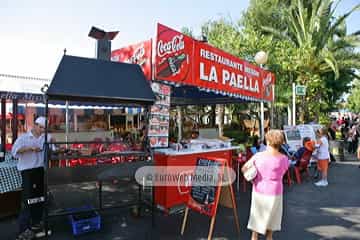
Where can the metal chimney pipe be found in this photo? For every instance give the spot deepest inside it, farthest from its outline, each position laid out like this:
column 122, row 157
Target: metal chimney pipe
column 103, row 42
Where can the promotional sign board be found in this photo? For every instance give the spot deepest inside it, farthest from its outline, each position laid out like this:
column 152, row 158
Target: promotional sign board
column 160, row 116
column 221, row 71
column 139, row 53
column 182, row 60
column 268, row 82
column 218, row 70
column 173, row 56
column 205, row 198
column 293, row 137
column 308, row 130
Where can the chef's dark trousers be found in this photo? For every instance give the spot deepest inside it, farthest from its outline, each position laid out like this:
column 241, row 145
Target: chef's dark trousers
column 32, row 187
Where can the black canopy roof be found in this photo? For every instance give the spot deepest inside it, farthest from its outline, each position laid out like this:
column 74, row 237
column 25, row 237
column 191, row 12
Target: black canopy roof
column 93, row 80
column 190, row 95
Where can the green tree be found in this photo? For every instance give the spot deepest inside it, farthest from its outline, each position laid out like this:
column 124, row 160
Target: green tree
column 245, row 42
column 306, row 44
column 353, row 102
column 322, row 48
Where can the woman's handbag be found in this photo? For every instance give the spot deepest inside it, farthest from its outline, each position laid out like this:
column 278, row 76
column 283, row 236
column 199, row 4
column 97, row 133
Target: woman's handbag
column 249, row 170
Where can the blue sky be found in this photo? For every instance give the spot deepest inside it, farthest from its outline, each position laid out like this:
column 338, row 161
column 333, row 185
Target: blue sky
column 34, row 33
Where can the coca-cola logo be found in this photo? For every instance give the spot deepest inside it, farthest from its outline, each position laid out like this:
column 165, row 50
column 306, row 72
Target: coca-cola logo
column 174, row 45
column 267, row 84
column 267, row 80
column 137, row 56
column 115, row 58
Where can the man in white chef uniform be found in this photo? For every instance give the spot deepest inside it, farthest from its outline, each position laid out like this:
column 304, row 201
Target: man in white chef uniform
column 28, row 149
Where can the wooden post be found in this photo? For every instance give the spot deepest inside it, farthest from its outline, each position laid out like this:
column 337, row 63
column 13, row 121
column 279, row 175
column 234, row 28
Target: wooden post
column 235, row 212
column 227, row 197
column 184, row 220
column 212, row 223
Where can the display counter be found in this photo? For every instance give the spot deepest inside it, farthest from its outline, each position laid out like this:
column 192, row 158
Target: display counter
column 82, row 136
column 169, row 198
column 172, row 152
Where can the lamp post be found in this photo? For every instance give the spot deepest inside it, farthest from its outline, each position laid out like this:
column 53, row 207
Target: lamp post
column 261, row 58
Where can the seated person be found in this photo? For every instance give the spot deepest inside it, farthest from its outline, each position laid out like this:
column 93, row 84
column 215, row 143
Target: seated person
column 305, row 151
column 263, row 146
column 256, row 145
column 194, row 134
column 285, row 149
column 128, row 139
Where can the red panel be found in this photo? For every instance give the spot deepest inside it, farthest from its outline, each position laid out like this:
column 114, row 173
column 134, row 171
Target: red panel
column 171, row 196
column 268, row 83
column 181, row 59
column 218, row 70
column 139, row 53
column 174, row 52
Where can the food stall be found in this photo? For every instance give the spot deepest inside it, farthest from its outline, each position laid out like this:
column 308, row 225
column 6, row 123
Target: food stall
column 190, row 72
column 22, row 101
column 77, row 80
column 14, row 90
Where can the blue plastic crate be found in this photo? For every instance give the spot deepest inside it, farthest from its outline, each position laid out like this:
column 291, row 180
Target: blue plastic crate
column 84, row 222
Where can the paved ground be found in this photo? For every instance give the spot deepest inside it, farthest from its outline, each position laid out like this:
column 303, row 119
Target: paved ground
column 310, row 213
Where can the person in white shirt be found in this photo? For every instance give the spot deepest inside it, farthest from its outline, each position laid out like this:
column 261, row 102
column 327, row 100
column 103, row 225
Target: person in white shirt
column 28, row 149
column 323, row 156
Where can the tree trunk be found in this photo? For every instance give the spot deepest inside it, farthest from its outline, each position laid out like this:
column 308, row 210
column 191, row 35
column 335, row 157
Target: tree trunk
column 235, row 118
column 200, row 113
column 302, row 112
column 221, row 113
column 212, row 116
column 179, row 122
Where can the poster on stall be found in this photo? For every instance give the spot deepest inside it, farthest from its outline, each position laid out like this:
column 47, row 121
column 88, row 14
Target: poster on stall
column 160, row 116
column 308, row 130
column 292, row 137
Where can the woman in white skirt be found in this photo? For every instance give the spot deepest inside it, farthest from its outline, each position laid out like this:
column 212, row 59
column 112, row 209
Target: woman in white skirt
column 267, row 201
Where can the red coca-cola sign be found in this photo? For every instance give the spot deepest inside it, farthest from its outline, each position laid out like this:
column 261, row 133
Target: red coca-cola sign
column 139, row 53
column 173, row 56
column 268, row 82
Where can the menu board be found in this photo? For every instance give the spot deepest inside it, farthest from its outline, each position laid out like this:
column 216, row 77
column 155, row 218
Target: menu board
column 160, row 116
column 204, row 196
